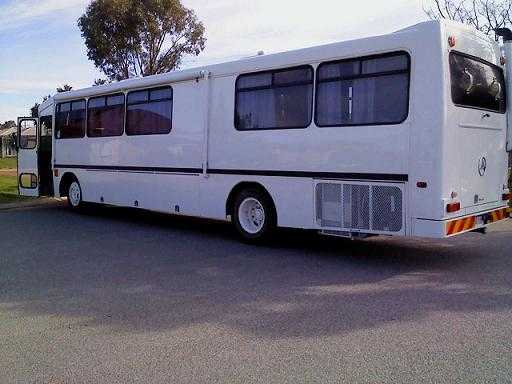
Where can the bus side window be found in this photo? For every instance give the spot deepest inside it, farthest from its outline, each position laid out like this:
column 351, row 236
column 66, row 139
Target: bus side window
column 149, row 111
column 364, row 91
column 70, row 120
column 278, row 99
column 105, row 116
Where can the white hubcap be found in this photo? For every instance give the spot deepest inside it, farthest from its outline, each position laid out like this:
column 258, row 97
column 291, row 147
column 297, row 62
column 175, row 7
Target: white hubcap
column 251, row 215
column 75, row 196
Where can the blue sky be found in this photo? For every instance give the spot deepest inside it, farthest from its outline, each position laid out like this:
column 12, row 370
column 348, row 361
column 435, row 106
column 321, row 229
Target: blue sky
column 41, row 47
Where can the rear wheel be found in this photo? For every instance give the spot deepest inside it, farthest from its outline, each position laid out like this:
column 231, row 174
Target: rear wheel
column 254, row 216
column 75, row 195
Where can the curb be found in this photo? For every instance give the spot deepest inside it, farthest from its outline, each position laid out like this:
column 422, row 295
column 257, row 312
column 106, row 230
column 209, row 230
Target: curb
column 41, row 202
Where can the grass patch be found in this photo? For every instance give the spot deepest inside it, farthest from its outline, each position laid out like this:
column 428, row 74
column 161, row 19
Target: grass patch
column 8, row 163
column 9, row 189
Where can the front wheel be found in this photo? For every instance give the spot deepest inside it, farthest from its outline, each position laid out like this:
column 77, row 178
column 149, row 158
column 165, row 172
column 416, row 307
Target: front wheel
column 75, row 195
column 253, row 215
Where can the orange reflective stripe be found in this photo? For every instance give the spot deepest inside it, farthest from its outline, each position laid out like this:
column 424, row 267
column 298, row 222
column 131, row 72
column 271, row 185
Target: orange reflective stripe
column 461, row 225
column 451, row 227
column 498, row 215
column 470, row 223
column 457, row 226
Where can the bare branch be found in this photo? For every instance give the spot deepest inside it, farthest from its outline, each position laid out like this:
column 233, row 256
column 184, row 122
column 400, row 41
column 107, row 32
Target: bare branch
column 484, row 15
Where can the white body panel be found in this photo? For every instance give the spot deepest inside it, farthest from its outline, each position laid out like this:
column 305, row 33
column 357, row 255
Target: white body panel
column 472, row 134
column 193, row 169
column 507, row 47
column 27, row 158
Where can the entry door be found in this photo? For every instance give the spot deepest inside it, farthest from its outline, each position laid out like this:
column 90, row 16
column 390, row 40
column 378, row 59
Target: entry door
column 28, row 145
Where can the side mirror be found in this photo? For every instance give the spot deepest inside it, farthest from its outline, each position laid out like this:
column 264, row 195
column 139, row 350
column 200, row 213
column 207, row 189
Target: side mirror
column 14, row 141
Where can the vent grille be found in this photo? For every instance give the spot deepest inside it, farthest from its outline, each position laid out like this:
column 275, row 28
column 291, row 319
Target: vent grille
column 356, row 206
column 359, row 207
column 328, row 205
column 386, row 208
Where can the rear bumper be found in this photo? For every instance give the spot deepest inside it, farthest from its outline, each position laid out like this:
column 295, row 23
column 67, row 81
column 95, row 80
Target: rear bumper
column 453, row 227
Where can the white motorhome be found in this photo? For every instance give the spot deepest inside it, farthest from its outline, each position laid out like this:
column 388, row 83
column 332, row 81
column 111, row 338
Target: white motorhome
column 403, row 134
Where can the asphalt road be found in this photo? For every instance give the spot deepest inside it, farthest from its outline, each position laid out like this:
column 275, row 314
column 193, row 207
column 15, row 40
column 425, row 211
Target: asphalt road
column 122, row 296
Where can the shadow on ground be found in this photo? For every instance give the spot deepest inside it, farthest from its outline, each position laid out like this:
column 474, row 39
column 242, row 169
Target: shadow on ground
column 134, row 271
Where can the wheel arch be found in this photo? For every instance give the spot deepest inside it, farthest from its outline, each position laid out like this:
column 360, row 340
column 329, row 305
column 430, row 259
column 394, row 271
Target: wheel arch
column 230, row 202
column 65, row 182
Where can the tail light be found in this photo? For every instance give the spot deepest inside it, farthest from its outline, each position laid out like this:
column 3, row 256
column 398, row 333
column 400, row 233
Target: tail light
column 506, row 196
column 453, row 207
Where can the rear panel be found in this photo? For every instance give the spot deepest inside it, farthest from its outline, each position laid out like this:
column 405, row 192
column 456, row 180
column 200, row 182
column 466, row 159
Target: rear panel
column 474, row 155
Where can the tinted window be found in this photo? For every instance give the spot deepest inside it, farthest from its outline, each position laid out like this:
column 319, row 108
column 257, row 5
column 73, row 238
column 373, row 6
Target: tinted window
column 340, row 69
column 138, row 97
column 105, row 116
column 160, row 94
column 254, row 81
column 149, row 112
column 277, row 99
column 477, row 84
column 70, row 120
column 115, row 100
column 363, row 91
column 385, row 64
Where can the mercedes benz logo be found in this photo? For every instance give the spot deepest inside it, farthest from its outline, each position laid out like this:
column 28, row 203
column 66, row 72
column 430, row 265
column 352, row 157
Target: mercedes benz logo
column 482, row 166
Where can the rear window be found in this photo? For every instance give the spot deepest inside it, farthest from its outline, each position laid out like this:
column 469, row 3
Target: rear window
column 477, row 83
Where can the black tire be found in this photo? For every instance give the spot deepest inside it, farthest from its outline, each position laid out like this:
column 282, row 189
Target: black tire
column 260, row 231
column 74, row 192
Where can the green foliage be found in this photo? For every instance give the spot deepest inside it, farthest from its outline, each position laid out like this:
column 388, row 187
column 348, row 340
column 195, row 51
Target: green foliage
column 34, row 111
column 8, row 124
column 100, row 82
column 64, row 88
column 126, row 38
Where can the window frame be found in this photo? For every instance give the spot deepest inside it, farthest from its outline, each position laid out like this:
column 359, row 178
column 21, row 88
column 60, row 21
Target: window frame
column 36, row 127
column 361, row 75
column 34, row 181
column 259, row 88
column 149, row 101
column 471, row 57
column 84, row 132
column 105, row 96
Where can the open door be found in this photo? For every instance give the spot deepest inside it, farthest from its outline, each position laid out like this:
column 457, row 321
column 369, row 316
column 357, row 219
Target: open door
column 28, row 146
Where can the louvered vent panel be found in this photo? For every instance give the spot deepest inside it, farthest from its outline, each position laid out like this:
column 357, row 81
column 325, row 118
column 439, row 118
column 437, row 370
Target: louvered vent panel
column 386, row 208
column 359, row 207
column 356, row 206
column 328, row 204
